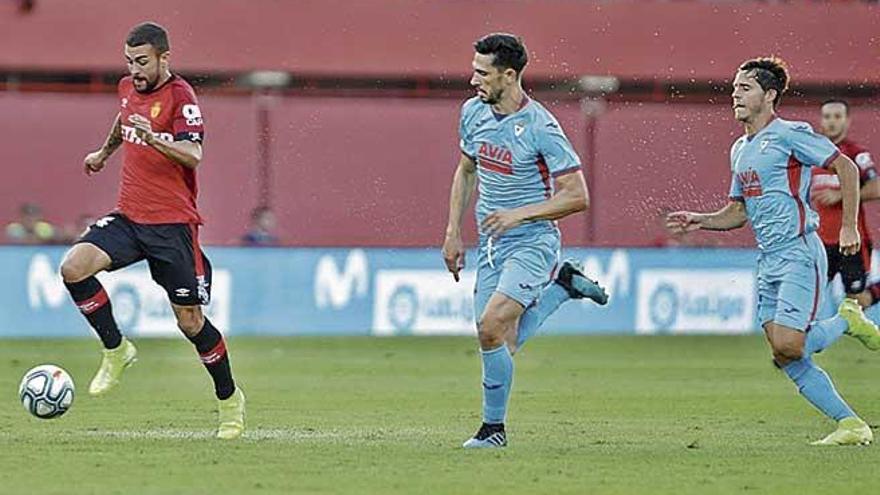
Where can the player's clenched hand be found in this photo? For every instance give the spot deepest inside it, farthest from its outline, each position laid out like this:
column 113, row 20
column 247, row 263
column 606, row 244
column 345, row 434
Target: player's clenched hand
column 850, row 243
column 828, row 197
column 500, row 221
column 142, row 127
column 681, row 222
column 94, row 162
column 453, row 255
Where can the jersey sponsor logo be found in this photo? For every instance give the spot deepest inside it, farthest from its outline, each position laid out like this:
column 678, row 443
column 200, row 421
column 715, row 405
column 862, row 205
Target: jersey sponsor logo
column 192, row 114
column 129, row 134
column 156, row 109
column 750, row 183
column 495, row 158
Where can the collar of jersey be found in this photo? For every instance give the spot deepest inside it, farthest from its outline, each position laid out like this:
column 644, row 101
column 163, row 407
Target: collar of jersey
column 522, row 104
column 772, row 120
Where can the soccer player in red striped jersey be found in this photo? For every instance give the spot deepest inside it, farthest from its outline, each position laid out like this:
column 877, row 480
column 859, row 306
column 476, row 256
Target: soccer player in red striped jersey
column 160, row 129
column 826, row 195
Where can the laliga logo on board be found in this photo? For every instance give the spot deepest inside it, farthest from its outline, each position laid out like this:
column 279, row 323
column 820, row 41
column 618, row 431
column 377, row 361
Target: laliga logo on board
column 683, row 301
column 423, row 302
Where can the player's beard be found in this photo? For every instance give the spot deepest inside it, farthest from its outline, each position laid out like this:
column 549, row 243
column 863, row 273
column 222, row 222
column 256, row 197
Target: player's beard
column 150, row 84
column 491, row 98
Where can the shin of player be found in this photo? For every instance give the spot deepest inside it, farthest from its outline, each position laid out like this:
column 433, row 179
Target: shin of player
column 528, row 176
column 160, row 128
column 770, row 167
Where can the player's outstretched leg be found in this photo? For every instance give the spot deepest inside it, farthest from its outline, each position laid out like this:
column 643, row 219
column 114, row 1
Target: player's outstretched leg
column 823, row 333
column 211, row 346
column 860, row 327
column 570, row 283
column 78, row 271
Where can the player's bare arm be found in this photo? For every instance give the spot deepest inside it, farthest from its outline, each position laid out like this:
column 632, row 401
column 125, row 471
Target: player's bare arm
column 870, row 191
column 732, row 216
column 848, row 173
column 464, row 184
column 94, row 161
column 186, row 153
column 571, row 196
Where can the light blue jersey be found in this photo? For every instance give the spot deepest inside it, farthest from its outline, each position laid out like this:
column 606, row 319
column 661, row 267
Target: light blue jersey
column 518, row 156
column 771, row 174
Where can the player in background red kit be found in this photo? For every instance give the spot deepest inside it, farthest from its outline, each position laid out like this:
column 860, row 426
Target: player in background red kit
column 825, row 194
column 160, row 129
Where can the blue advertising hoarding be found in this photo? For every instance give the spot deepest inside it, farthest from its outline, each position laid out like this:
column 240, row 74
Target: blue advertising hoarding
column 292, row 291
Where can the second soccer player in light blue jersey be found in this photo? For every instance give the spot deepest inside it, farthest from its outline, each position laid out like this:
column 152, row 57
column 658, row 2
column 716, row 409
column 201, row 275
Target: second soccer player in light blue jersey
column 529, row 176
column 771, row 172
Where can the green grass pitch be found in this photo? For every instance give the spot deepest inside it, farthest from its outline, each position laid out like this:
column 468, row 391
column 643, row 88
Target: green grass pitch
column 627, row 415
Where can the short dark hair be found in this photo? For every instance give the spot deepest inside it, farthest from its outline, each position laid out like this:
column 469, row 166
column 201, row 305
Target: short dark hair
column 149, row 33
column 509, row 50
column 839, row 101
column 770, row 72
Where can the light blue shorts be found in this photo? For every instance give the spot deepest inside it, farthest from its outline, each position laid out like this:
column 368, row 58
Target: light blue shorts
column 791, row 283
column 518, row 267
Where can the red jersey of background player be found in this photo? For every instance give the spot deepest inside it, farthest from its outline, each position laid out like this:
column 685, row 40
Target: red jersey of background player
column 830, row 216
column 156, row 189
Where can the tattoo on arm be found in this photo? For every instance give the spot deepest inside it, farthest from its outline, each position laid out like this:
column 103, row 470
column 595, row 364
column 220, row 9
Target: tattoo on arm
column 114, row 139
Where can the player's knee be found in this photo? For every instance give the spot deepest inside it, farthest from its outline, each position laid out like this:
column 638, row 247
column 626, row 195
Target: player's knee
column 491, row 331
column 74, row 269
column 190, row 320
column 786, row 352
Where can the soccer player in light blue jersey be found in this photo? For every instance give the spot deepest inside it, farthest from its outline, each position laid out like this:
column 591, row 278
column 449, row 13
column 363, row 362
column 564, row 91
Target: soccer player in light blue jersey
column 771, row 168
column 529, row 176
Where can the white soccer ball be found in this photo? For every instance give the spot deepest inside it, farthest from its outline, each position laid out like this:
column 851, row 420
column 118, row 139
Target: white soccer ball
column 46, row 391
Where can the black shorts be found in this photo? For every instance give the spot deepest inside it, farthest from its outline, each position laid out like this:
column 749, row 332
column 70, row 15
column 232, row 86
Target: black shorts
column 172, row 251
column 853, row 268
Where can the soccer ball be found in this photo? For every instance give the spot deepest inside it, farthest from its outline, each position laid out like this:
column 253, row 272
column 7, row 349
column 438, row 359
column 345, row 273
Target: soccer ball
column 46, row 391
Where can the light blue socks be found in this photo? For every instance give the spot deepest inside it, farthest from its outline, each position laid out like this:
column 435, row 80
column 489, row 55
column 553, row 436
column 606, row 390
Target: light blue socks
column 532, row 319
column 824, row 333
column 815, row 385
column 497, row 381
